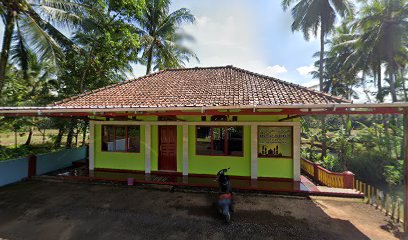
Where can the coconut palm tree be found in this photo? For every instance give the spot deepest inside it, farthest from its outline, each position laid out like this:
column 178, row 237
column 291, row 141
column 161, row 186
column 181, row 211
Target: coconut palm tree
column 161, row 36
column 310, row 16
column 33, row 24
column 384, row 36
column 314, row 16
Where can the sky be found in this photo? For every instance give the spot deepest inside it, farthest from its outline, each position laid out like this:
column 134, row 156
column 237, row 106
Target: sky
column 251, row 34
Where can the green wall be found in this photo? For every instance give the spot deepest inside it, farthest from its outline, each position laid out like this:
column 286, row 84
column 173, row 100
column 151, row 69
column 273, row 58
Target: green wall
column 198, row 164
column 240, row 166
column 119, row 160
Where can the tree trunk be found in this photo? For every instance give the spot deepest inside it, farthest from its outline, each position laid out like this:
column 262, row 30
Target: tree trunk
column 15, row 138
column 323, row 118
column 321, row 58
column 387, row 135
column 58, row 139
column 43, row 136
column 84, row 131
column 380, row 95
column 392, row 85
column 76, row 136
column 30, row 134
column 70, row 135
column 8, row 34
column 149, row 60
column 405, row 200
column 404, row 87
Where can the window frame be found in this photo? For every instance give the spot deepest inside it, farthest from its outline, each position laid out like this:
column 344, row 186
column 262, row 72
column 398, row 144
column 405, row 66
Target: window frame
column 226, row 145
column 114, row 138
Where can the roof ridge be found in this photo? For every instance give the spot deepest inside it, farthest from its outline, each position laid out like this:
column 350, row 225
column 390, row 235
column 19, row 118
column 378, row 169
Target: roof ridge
column 199, row 68
column 292, row 84
column 104, row 88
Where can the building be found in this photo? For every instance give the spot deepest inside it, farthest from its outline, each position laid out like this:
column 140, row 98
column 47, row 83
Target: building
column 193, row 122
column 202, row 120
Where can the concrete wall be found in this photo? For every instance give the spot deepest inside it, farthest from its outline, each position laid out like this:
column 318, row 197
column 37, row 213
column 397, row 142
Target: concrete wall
column 57, row 160
column 15, row 170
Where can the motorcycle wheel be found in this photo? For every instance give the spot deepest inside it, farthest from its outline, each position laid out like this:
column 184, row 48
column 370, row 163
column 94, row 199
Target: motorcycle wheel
column 227, row 217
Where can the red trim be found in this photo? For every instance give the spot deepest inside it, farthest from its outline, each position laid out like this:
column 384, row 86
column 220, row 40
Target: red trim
column 284, row 111
column 263, row 189
column 118, row 170
column 275, row 179
column 167, row 173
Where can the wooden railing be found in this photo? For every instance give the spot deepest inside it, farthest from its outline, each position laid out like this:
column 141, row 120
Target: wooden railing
column 326, row 177
column 391, row 205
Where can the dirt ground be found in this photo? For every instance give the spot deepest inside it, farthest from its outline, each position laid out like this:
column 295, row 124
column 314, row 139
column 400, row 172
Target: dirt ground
column 55, row 210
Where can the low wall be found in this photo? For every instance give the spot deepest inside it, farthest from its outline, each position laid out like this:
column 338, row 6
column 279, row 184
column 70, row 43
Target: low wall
column 57, row 160
column 15, row 170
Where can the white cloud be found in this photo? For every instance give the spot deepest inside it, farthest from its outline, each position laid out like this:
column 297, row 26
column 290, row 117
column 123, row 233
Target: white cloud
column 275, row 70
column 312, row 84
column 305, row 70
column 226, row 38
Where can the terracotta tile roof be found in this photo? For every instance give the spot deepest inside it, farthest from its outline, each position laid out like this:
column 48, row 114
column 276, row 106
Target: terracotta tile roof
column 210, row 86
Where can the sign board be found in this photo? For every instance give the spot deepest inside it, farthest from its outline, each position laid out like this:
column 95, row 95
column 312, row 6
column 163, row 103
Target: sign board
column 274, row 142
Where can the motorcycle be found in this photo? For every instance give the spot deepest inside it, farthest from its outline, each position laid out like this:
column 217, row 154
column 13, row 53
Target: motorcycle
column 225, row 198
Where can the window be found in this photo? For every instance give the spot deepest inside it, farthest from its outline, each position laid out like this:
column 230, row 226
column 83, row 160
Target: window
column 120, row 138
column 225, row 141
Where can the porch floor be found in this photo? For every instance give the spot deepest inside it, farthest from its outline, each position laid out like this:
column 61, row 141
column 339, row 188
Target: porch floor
column 304, row 186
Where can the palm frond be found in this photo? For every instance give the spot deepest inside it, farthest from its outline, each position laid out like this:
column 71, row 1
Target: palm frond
column 40, row 41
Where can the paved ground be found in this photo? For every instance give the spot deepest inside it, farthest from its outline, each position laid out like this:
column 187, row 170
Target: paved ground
column 48, row 210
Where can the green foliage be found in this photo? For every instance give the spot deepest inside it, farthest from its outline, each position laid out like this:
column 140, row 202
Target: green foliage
column 24, row 151
column 369, row 166
column 161, row 36
column 393, row 173
column 108, row 45
column 32, row 26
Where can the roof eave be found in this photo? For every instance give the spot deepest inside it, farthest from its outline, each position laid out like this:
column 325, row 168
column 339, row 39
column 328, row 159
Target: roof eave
column 93, row 110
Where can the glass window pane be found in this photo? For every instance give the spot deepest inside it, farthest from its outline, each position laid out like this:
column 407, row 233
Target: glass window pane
column 235, row 138
column 203, row 143
column 218, row 140
column 134, row 139
column 107, row 138
column 120, row 141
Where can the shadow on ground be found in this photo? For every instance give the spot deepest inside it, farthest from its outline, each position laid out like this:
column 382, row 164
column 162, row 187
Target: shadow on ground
column 45, row 210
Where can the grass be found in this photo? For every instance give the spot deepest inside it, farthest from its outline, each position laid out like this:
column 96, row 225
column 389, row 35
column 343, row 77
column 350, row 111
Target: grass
column 38, row 145
column 7, row 139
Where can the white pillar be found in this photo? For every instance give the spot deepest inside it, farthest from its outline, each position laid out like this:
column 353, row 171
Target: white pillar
column 91, row 145
column 185, row 150
column 147, row 144
column 296, row 152
column 254, row 151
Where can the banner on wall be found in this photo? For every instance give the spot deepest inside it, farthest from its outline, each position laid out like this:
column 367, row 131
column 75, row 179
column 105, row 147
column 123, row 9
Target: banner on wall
column 274, row 141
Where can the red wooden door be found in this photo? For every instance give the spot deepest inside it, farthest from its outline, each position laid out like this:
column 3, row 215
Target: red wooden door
column 167, row 148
